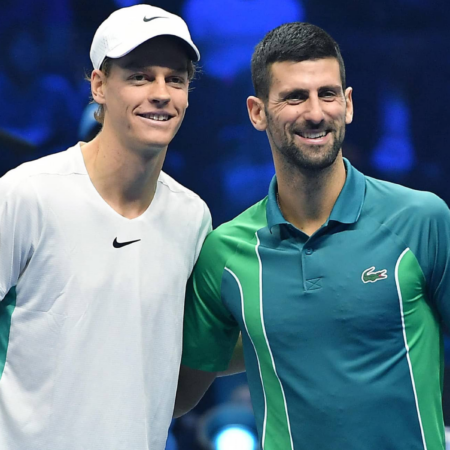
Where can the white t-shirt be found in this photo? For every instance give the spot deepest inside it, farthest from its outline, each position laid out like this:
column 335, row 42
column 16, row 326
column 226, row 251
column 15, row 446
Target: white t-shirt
column 90, row 331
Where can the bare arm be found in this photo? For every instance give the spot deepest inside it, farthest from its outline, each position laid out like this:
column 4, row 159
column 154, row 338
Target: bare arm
column 193, row 383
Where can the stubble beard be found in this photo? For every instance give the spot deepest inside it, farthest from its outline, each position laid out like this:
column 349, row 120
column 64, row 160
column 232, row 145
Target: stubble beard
column 307, row 158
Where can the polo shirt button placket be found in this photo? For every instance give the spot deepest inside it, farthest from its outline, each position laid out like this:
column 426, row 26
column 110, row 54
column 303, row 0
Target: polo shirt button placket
column 309, row 251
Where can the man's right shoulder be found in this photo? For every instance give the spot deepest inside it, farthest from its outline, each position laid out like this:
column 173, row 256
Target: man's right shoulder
column 58, row 163
column 225, row 240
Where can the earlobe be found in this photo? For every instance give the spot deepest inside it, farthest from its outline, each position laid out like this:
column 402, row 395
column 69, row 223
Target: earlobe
column 97, row 86
column 349, row 105
column 257, row 113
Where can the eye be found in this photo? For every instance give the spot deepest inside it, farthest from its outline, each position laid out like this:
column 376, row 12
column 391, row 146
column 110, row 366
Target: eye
column 138, row 77
column 295, row 98
column 328, row 95
column 177, row 80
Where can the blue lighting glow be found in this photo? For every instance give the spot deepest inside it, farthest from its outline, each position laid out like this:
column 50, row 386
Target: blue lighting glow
column 235, row 437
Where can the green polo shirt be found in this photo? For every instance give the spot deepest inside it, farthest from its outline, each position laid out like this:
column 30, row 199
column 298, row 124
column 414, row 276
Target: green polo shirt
column 341, row 329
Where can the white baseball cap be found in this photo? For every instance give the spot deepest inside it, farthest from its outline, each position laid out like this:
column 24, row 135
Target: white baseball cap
column 127, row 28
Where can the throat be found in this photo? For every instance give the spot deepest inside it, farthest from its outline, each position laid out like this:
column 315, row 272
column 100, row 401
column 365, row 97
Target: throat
column 306, row 220
column 307, row 202
column 126, row 184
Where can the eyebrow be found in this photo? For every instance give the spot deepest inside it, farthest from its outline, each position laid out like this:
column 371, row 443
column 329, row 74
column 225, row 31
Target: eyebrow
column 288, row 92
column 331, row 87
column 305, row 92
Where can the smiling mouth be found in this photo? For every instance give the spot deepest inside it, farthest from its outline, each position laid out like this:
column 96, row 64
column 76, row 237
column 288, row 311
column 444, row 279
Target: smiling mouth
column 157, row 117
column 313, row 135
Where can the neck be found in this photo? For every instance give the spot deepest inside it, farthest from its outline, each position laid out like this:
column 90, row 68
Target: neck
column 126, row 179
column 307, row 198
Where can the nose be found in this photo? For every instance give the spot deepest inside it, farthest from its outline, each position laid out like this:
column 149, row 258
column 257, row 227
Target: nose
column 159, row 93
column 314, row 112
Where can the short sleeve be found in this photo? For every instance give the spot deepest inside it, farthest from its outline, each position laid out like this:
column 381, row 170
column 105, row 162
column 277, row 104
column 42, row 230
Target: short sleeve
column 210, row 331
column 18, row 221
column 204, row 230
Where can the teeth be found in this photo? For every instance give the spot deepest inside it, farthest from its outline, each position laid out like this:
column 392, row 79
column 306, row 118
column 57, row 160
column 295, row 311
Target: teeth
column 160, row 117
column 314, row 135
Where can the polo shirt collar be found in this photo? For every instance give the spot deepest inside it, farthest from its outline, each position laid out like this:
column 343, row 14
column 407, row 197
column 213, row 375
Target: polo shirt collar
column 347, row 208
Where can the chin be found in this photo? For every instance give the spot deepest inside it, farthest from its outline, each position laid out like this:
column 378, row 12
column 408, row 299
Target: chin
column 321, row 160
column 151, row 141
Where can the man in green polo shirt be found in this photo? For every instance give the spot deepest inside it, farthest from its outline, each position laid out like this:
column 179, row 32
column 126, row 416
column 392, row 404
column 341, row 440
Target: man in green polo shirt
column 335, row 280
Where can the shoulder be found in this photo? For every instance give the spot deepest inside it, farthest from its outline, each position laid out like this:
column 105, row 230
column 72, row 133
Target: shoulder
column 175, row 189
column 57, row 163
column 21, row 174
column 18, row 180
column 225, row 240
column 388, row 198
column 180, row 201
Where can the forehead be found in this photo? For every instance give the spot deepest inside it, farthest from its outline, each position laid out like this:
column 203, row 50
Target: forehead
column 308, row 75
column 162, row 51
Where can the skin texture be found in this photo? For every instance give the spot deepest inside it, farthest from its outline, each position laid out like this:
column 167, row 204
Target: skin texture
column 307, row 98
column 125, row 159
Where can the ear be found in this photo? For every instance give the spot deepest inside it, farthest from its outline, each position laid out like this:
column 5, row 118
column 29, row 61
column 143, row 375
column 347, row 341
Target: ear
column 257, row 113
column 98, row 81
column 349, row 105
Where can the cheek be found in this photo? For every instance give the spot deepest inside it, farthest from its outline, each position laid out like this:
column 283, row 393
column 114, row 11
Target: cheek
column 117, row 103
column 337, row 117
column 284, row 119
column 181, row 100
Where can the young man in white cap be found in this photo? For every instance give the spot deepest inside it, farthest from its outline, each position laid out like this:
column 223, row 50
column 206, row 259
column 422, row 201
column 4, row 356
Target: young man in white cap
column 96, row 245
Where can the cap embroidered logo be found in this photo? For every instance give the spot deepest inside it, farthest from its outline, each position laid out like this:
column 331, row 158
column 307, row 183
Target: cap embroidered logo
column 153, row 18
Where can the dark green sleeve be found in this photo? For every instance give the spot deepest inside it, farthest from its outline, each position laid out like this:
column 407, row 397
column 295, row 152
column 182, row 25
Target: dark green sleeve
column 210, row 331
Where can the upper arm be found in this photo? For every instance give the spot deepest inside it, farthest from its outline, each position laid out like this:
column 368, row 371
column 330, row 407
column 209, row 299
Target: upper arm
column 18, row 228
column 204, row 229
column 192, row 385
column 210, row 330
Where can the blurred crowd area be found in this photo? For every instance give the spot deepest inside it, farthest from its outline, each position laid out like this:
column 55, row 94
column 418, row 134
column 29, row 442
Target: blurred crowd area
column 396, row 59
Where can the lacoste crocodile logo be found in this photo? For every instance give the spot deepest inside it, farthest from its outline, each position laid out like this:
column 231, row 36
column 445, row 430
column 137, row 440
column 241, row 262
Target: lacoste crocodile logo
column 369, row 276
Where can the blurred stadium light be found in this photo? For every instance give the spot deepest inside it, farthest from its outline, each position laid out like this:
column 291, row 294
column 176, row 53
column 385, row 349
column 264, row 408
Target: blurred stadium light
column 228, row 427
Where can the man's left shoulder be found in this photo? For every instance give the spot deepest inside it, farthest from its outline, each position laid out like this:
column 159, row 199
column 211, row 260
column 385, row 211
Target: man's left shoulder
column 398, row 198
column 181, row 196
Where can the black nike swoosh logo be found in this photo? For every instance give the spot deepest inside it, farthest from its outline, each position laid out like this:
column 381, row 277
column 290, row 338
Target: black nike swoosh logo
column 122, row 244
column 153, row 18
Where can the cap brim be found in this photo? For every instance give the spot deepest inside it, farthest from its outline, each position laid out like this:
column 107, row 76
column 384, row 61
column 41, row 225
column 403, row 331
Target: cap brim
column 124, row 49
